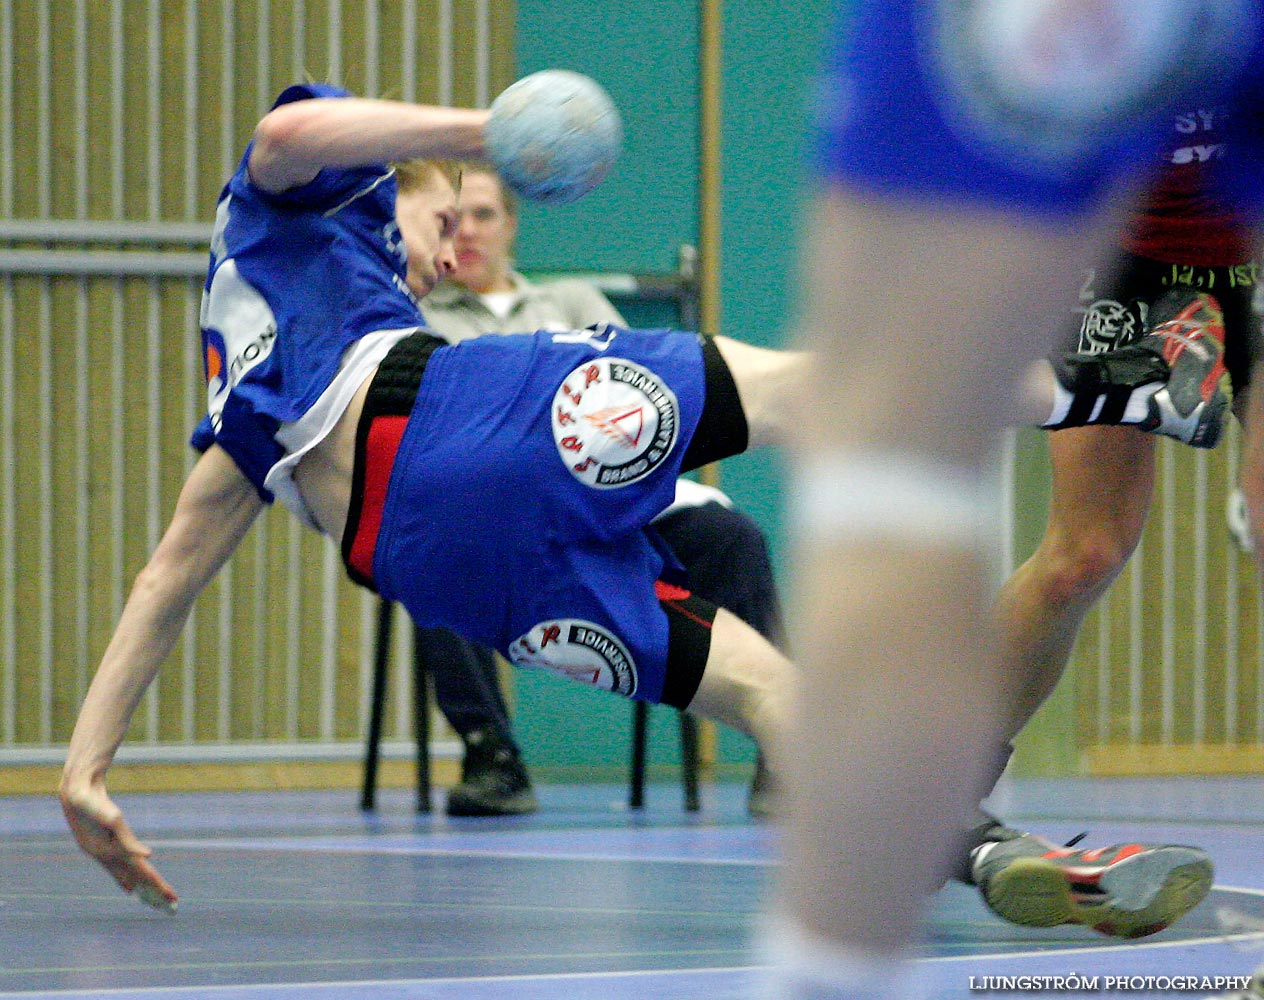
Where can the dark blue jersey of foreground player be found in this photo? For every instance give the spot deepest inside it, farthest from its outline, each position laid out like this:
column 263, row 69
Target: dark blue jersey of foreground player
column 1039, row 107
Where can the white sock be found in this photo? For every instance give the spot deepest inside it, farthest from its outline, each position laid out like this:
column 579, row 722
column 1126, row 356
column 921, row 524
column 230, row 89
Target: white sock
column 977, row 856
column 805, row 967
column 1136, row 410
column 1139, row 403
column 1062, row 400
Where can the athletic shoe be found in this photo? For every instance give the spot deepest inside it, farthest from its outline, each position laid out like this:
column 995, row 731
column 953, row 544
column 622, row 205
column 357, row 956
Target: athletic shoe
column 494, row 781
column 1187, row 328
column 1127, row 890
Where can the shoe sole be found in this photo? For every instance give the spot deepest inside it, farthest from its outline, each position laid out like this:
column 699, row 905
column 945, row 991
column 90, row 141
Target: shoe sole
column 1146, row 892
column 513, row 806
column 1201, row 429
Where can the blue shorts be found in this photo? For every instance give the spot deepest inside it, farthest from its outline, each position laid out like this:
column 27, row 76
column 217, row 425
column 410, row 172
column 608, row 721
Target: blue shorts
column 922, row 98
column 511, row 504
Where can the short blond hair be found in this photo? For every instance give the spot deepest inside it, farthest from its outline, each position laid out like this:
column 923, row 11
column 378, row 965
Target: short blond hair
column 415, row 175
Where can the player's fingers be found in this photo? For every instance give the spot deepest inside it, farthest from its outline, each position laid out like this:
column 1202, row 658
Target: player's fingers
column 129, row 863
column 128, row 841
column 106, row 840
column 94, row 838
column 154, row 890
column 138, row 873
column 150, row 896
column 105, row 835
column 93, row 819
column 134, row 873
column 122, row 870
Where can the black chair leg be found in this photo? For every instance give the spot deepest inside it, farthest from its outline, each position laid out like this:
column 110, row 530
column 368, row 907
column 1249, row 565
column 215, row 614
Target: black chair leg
column 689, row 760
column 421, row 726
column 372, row 751
column 640, row 727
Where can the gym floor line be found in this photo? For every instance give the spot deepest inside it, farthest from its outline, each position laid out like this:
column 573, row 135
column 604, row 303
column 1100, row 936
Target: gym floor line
column 289, row 894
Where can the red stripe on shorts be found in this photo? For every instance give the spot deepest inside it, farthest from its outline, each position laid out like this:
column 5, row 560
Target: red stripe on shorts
column 673, row 597
column 380, row 448
column 669, row 591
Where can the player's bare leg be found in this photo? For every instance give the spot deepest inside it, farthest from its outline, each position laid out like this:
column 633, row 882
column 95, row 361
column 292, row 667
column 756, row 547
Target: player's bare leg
column 747, row 685
column 766, row 382
column 902, row 693
column 1103, row 479
column 1252, row 481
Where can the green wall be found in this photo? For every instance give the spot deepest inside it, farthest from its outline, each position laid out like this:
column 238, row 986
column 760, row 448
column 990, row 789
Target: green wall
column 770, row 53
column 646, row 55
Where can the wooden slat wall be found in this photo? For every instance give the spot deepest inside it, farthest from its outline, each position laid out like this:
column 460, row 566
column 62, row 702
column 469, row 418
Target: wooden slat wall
column 1170, row 667
column 137, row 111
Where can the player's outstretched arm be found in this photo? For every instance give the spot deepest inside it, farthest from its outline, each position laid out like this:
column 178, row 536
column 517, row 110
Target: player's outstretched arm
column 295, row 141
column 216, row 507
column 552, row 136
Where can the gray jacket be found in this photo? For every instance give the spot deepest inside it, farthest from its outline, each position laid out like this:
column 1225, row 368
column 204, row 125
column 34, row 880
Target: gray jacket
column 456, row 313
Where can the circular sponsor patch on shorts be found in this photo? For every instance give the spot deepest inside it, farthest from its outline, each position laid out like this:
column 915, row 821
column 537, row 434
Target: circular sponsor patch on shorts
column 614, row 422
column 579, row 650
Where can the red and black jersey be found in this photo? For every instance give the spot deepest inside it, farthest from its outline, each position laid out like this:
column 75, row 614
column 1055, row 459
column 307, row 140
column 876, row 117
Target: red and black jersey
column 1185, row 217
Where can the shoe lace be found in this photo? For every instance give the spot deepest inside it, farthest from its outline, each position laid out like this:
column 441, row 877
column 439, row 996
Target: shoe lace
column 1192, row 340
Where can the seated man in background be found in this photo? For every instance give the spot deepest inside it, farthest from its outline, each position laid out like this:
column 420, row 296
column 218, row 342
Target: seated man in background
column 722, row 549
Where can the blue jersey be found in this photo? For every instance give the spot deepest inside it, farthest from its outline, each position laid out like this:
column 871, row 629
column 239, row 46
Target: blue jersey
column 1034, row 106
column 295, row 278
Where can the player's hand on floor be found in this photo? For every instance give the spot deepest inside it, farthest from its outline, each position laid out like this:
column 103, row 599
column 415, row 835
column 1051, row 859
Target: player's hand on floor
column 102, row 832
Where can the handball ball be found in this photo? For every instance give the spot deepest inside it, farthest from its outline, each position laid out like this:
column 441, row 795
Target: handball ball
column 554, row 135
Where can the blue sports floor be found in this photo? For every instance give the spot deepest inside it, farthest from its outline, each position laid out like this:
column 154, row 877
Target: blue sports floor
column 298, row 895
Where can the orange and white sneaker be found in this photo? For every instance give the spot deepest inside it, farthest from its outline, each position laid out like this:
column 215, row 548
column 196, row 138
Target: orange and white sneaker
column 1186, row 327
column 1126, row 890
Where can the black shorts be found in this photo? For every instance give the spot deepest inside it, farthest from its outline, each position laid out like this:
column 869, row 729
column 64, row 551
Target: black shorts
column 1114, row 303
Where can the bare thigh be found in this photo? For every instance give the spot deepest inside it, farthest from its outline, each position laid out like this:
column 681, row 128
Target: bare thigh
column 747, row 684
